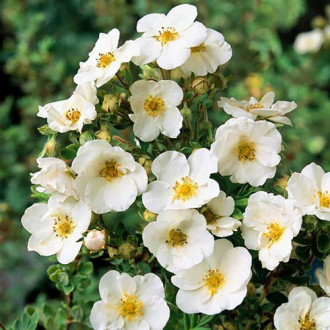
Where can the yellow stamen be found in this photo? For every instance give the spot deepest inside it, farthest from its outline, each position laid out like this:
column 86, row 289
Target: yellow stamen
column 306, row 323
column 63, row 226
column 176, row 237
column 254, row 106
column 246, row 151
column 105, row 60
column 324, row 199
column 185, row 189
column 130, row 307
column 213, row 280
column 73, row 115
column 111, row 171
column 198, row 49
column 166, row 35
column 154, row 105
column 274, row 233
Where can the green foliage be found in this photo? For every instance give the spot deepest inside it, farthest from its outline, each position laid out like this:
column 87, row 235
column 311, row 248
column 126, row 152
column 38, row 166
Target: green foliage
column 43, row 44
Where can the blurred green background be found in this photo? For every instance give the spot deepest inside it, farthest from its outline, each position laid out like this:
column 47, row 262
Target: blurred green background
column 42, row 43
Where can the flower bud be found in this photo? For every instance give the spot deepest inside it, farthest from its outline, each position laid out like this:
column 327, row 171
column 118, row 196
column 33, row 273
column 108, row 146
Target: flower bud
column 146, row 163
column 125, row 250
column 149, row 216
column 319, row 22
column 103, row 134
column 200, row 85
column 51, row 148
column 186, row 112
column 110, row 103
column 95, row 240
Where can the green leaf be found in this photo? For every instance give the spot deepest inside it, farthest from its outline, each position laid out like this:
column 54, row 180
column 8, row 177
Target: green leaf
column 323, row 242
column 45, row 130
column 85, row 268
column 205, row 320
column 77, row 313
column 241, row 202
column 303, row 252
column 69, row 152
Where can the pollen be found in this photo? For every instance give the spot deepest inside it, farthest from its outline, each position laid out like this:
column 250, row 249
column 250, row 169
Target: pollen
column 111, row 171
column 63, row 226
column 105, row 60
column 306, row 323
column 246, row 152
column 213, row 280
column 130, row 307
column 198, row 49
column 72, row 114
column 154, row 105
column 254, row 106
column 167, row 35
column 185, row 189
column 176, row 237
column 274, row 233
column 324, row 199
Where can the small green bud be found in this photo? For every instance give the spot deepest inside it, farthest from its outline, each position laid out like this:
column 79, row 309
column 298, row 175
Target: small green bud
column 200, row 85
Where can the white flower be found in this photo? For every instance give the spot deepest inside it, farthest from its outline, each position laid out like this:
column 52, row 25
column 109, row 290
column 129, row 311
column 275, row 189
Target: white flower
column 308, row 42
column 218, row 283
column 108, row 178
column 130, row 303
column 95, row 240
column 181, row 183
column 253, row 108
column 269, row 224
column 310, row 190
column 105, row 59
column 179, row 239
column 323, row 275
column 217, row 214
column 247, row 150
column 303, row 311
column 56, row 227
column 206, row 57
column 155, row 109
column 73, row 113
column 168, row 39
column 54, row 177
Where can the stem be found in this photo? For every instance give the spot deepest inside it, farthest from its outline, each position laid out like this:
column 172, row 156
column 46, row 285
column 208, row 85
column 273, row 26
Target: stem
column 70, row 297
column 122, row 82
column 118, row 138
column 2, row 326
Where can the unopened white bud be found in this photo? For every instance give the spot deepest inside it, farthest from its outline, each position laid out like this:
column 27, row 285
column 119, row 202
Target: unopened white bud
column 95, row 240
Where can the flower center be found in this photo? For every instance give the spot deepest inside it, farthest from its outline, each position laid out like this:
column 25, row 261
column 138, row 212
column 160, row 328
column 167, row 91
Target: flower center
column 130, row 307
column 72, row 114
column 63, row 226
column 254, row 106
column 105, row 60
column 111, row 171
column 324, row 199
column 166, row 35
column 213, row 280
column 246, row 151
column 185, row 189
column 306, row 323
column 198, row 49
column 154, row 105
column 176, row 237
column 274, row 233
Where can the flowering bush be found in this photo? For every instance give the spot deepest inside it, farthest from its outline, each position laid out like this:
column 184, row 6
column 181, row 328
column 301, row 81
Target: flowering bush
column 192, row 182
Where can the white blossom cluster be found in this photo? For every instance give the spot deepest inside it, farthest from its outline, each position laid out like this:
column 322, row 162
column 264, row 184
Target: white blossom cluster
column 193, row 214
